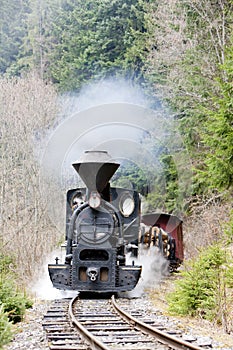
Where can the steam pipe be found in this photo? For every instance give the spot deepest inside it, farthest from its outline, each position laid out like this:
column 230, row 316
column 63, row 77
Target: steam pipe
column 76, row 212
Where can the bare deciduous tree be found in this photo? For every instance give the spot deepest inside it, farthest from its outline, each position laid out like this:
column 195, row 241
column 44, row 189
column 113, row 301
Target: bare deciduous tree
column 28, row 108
column 188, row 42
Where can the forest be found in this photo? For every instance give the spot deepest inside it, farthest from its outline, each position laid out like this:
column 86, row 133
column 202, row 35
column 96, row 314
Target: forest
column 179, row 53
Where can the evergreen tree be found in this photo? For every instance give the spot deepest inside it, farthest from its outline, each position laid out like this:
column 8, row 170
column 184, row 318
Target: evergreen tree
column 189, row 40
column 166, row 191
column 218, row 132
column 12, row 26
column 96, row 39
column 33, row 52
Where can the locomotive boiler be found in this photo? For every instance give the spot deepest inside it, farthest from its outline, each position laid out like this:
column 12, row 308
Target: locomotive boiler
column 101, row 221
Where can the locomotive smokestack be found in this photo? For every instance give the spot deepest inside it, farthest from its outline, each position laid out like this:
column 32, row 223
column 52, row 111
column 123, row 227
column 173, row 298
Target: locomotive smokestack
column 96, row 169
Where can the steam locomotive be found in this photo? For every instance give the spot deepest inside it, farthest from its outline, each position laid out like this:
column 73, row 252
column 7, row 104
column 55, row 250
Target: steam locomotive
column 100, row 222
column 103, row 223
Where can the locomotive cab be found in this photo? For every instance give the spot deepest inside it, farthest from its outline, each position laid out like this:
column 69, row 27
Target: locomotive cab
column 99, row 220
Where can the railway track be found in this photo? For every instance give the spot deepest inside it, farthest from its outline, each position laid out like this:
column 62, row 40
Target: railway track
column 101, row 324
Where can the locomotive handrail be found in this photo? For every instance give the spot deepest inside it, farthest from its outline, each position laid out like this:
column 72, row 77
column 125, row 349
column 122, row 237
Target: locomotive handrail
column 71, row 226
column 130, row 224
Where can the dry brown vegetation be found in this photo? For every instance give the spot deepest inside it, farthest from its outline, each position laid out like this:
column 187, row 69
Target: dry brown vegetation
column 187, row 42
column 205, row 225
column 28, row 108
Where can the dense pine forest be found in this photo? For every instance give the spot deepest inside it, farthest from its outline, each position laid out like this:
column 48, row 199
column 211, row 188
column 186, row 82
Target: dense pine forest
column 179, row 53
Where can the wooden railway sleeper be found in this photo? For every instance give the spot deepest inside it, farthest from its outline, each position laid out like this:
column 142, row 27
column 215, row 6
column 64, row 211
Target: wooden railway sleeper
column 161, row 336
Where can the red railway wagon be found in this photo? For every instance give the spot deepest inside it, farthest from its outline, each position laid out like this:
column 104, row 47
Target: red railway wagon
column 172, row 226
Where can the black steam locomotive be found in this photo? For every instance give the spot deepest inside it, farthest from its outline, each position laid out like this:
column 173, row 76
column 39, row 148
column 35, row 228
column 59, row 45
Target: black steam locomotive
column 100, row 221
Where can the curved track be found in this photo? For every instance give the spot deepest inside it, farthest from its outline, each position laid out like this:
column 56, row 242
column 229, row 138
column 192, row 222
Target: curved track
column 102, row 325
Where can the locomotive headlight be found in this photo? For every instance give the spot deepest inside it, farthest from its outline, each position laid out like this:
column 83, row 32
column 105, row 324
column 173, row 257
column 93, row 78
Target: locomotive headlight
column 94, row 200
column 126, row 204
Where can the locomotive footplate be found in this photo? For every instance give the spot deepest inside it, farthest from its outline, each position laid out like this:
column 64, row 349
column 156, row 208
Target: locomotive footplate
column 60, row 275
column 128, row 277
column 103, row 275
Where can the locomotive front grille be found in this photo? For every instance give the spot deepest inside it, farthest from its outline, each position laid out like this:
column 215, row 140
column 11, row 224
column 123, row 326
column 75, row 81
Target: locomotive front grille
column 93, row 269
column 94, row 255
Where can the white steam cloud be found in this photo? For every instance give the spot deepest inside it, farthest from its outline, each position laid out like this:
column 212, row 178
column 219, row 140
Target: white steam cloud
column 154, row 269
column 105, row 91
column 113, row 116
column 42, row 288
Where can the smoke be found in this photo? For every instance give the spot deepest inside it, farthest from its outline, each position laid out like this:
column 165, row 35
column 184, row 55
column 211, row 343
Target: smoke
column 111, row 115
column 103, row 92
column 154, row 269
column 115, row 116
column 42, row 287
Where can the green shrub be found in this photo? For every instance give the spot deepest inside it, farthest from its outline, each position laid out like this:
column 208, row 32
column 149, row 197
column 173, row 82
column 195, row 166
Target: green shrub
column 5, row 328
column 13, row 303
column 197, row 292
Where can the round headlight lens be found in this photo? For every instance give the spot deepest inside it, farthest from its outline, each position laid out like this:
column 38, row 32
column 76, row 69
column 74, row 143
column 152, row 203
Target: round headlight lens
column 126, row 204
column 94, row 200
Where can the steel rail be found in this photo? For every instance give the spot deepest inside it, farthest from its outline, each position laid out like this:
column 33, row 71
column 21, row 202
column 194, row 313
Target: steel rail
column 165, row 338
column 94, row 343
